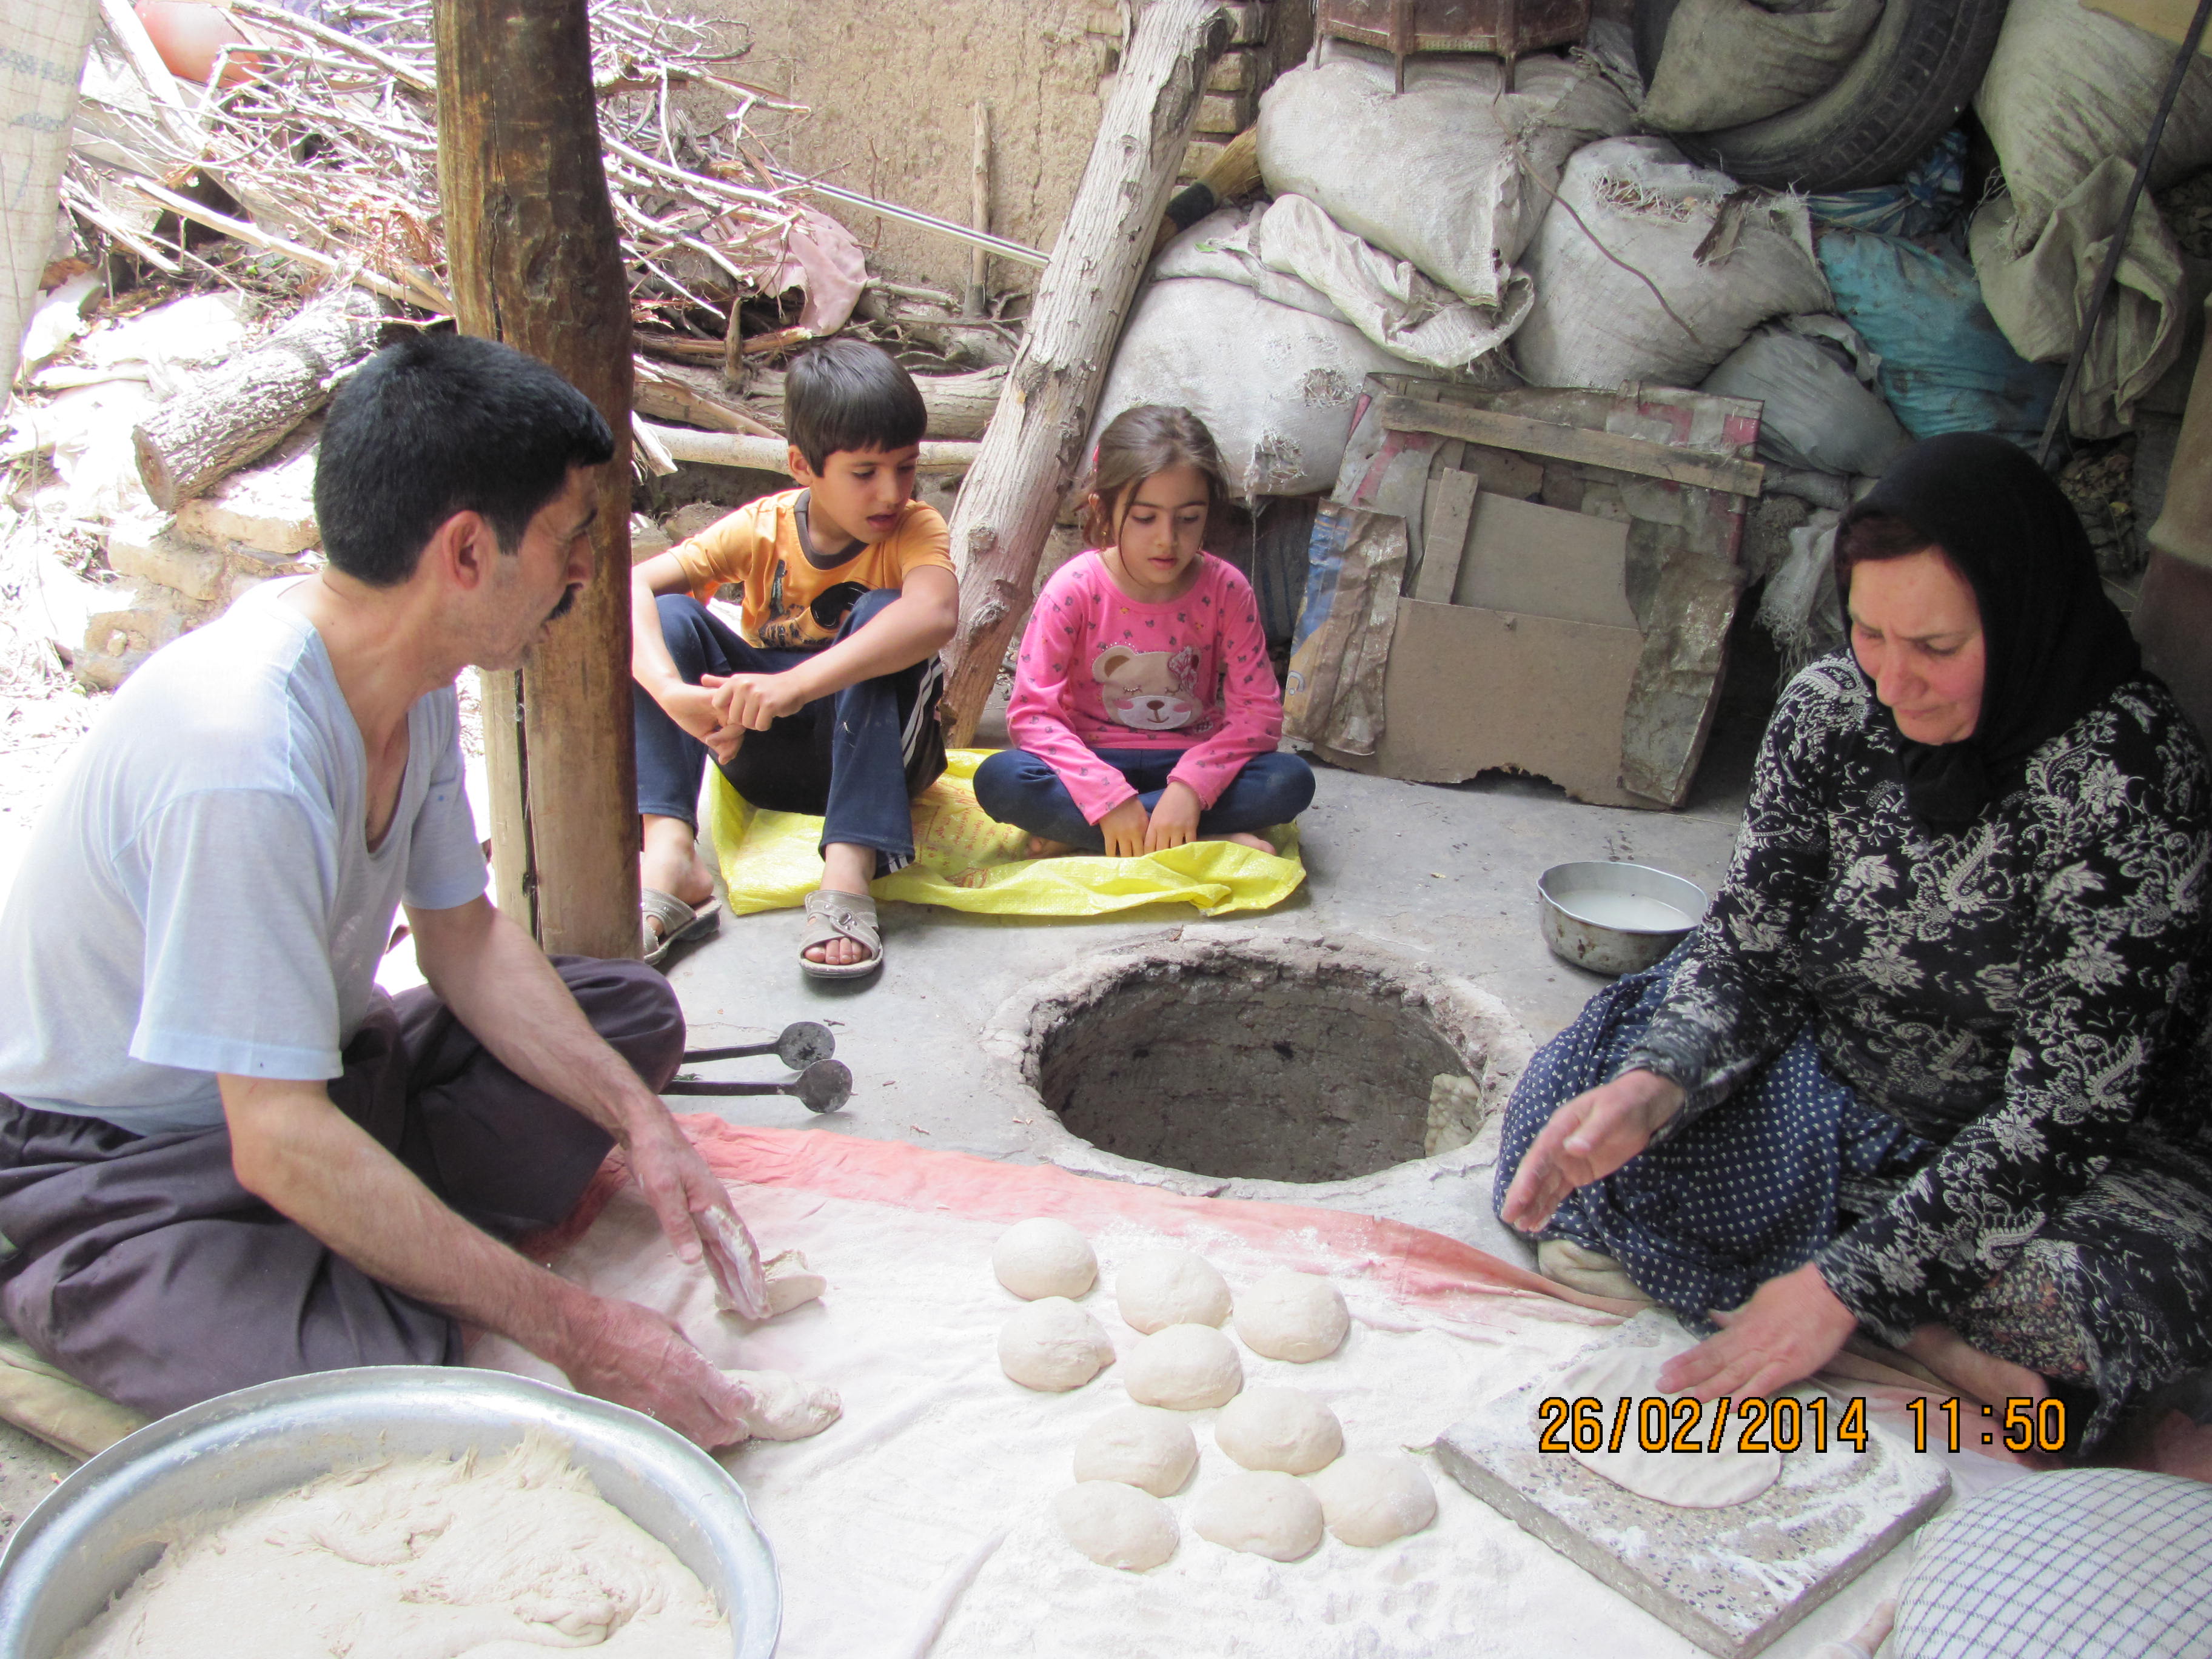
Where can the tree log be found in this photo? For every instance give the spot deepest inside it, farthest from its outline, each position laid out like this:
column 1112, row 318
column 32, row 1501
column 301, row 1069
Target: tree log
column 959, row 406
column 535, row 261
column 1030, row 455
column 244, row 407
column 770, row 454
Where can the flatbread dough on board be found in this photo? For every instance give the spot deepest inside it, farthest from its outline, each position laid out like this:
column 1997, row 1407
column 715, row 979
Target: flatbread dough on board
column 1689, row 1480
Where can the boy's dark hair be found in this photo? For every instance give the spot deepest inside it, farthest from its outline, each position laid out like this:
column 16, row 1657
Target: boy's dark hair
column 439, row 424
column 1137, row 443
column 847, row 394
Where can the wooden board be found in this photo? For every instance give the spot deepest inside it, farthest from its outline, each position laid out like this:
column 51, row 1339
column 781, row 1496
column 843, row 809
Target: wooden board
column 1471, row 690
column 1586, row 444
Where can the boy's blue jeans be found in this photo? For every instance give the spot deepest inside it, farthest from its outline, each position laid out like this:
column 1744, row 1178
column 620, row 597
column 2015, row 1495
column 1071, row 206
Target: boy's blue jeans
column 1017, row 787
column 857, row 758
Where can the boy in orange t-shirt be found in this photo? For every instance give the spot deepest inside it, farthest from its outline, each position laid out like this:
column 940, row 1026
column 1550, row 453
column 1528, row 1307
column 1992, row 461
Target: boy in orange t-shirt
column 824, row 699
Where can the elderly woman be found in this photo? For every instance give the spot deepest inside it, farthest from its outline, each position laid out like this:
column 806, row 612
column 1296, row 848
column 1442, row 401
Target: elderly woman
column 1920, row 1070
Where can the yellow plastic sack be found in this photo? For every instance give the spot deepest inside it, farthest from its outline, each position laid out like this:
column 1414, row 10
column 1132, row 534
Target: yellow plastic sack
column 966, row 859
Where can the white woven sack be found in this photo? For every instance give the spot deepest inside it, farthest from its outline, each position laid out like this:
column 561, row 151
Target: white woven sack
column 1727, row 62
column 2068, row 88
column 1277, row 386
column 1434, row 175
column 1596, row 324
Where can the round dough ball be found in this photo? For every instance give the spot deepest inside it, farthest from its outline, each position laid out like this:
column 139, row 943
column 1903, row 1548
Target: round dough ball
column 1265, row 1514
column 1044, row 1257
column 1186, row 1368
column 1371, row 1498
column 1282, row 1429
column 1293, row 1315
column 1161, row 1288
column 1138, row 1446
column 1116, row 1526
column 1053, row 1345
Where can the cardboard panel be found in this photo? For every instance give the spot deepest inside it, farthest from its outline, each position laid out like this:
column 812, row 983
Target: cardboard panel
column 1544, row 562
column 1470, row 690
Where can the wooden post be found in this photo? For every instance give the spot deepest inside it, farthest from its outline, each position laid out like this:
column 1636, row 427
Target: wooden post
column 979, row 205
column 1034, row 447
column 530, row 236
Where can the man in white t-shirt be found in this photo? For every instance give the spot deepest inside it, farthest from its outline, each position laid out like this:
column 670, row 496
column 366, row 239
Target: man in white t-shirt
column 225, row 1155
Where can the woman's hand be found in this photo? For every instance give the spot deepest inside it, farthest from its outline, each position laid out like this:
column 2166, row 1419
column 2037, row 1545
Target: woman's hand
column 1175, row 820
column 1124, row 828
column 1791, row 1327
column 1587, row 1139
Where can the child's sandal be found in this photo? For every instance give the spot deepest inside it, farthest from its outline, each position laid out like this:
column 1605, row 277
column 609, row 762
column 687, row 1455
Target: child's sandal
column 841, row 915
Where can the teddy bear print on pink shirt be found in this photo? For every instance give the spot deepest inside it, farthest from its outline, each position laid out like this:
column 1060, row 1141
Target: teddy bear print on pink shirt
column 1149, row 690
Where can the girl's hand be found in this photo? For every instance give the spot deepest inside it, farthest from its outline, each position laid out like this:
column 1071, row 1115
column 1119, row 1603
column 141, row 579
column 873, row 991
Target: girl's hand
column 1124, row 830
column 1587, row 1139
column 1791, row 1327
column 1175, row 820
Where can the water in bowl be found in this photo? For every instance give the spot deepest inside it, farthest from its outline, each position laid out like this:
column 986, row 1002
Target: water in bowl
column 1632, row 911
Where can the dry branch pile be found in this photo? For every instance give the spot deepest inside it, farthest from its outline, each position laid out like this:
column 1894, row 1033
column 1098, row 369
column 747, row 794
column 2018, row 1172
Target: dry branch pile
column 326, row 143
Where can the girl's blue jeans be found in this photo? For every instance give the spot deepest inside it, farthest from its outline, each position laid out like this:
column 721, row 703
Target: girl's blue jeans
column 1017, row 787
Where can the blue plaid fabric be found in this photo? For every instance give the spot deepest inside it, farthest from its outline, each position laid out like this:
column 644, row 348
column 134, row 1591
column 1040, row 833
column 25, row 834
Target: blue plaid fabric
column 2089, row 1563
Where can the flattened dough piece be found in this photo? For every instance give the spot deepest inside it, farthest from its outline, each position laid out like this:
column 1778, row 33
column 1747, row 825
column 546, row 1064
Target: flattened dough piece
column 1371, row 1498
column 1276, row 1428
column 791, row 1283
column 1140, row 1446
column 1293, row 1315
column 1689, row 1480
column 1116, row 1526
column 1044, row 1257
column 1186, row 1368
column 1263, row 1513
column 790, row 1408
column 1053, row 1345
column 1170, row 1287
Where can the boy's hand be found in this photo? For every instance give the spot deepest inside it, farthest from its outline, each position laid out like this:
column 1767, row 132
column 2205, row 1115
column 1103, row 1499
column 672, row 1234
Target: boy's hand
column 1124, row 830
column 1175, row 820
column 692, row 707
column 752, row 702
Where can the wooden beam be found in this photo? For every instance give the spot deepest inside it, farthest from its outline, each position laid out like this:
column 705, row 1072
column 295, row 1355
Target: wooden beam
column 772, row 454
column 535, row 261
column 1034, row 447
column 1573, row 443
column 1449, row 509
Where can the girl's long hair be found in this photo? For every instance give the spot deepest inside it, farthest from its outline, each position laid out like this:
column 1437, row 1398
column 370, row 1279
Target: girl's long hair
column 1136, row 444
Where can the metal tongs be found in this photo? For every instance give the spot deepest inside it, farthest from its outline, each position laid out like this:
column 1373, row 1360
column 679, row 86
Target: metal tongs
column 823, row 1084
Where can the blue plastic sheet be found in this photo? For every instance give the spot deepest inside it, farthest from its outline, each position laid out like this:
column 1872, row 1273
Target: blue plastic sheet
column 1945, row 366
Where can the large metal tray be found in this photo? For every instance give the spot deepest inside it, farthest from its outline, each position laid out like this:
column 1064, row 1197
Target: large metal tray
column 99, row 1530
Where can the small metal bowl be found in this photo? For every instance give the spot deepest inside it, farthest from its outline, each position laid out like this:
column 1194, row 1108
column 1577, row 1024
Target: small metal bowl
column 1615, row 918
column 103, row 1525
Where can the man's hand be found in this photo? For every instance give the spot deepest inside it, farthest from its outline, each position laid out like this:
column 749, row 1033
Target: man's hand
column 1791, row 1327
column 1124, row 828
column 621, row 1351
column 695, row 1212
column 1173, row 821
column 1587, row 1139
column 752, row 702
column 692, row 707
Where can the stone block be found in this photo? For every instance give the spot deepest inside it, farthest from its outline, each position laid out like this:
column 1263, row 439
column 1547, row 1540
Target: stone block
column 1225, row 113
column 1248, row 20
column 270, row 508
column 1235, row 70
column 156, row 552
column 118, row 640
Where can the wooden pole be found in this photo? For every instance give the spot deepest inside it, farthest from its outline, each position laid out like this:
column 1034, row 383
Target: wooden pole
column 531, row 240
column 1034, row 447
column 979, row 204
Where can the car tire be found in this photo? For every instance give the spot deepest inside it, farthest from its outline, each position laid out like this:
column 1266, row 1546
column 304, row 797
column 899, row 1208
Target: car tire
column 1918, row 70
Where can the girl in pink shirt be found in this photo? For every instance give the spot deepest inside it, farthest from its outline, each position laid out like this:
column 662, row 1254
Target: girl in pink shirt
column 1144, row 710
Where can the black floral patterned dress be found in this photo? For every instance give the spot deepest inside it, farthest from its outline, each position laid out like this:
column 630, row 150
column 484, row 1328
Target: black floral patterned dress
column 1955, row 1069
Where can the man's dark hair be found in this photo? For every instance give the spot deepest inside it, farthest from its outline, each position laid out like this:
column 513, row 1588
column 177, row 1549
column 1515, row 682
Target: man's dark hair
column 847, row 394
column 439, row 424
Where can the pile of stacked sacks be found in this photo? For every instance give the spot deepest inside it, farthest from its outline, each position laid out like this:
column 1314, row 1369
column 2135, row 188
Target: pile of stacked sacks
column 1587, row 230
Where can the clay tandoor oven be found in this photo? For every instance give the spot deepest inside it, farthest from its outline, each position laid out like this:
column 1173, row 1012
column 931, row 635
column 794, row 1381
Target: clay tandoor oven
column 1268, row 1059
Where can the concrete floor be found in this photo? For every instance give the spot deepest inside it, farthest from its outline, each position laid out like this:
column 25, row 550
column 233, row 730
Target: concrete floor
column 1443, row 875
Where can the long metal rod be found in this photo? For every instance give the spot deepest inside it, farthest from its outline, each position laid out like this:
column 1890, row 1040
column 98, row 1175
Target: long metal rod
column 984, row 239
column 2117, row 249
